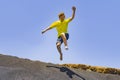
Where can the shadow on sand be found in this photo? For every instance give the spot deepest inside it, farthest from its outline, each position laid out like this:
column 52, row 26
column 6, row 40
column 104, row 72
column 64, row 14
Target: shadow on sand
column 69, row 72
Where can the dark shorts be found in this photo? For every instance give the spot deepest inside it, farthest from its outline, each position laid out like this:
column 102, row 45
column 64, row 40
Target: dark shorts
column 60, row 38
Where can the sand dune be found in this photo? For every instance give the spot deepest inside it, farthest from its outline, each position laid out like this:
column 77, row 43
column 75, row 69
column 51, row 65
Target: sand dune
column 14, row 68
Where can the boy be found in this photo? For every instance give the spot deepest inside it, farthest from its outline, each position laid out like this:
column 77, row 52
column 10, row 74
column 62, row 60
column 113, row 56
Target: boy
column 62, row 28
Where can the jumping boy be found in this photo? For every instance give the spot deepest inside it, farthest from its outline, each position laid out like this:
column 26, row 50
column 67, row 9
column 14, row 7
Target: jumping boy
column 62, row 28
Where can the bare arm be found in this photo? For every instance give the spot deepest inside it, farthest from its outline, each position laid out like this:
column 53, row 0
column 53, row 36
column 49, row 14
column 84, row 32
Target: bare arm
column 73, row 13
column 53, row 25
column 46, row 30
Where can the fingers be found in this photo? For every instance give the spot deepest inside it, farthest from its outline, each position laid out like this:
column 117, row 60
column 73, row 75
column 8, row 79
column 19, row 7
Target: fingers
column 74, row 8
column 43, row 32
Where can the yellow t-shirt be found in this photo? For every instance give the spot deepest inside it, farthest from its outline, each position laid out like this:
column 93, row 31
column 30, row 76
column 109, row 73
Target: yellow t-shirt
column 61, row 27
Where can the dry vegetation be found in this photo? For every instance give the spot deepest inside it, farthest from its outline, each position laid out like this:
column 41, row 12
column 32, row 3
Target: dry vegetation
column 10, row 61
column 105, row 70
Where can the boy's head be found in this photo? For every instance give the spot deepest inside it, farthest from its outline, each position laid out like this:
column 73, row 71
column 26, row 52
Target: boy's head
column 61, row 16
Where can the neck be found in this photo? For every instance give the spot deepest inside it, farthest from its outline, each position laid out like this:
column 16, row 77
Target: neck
column 62, row 20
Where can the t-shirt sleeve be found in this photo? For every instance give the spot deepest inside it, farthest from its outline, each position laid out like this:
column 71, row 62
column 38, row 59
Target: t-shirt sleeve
column 68, row 20
column 53, row 25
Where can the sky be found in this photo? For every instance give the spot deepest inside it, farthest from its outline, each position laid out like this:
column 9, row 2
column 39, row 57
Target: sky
column 94, row 32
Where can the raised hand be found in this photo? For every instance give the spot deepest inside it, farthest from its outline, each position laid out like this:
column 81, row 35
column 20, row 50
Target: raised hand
column 73, row 8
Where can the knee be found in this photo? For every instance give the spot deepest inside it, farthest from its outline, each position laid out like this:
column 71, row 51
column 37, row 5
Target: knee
column 58, row 44
column 62, row 34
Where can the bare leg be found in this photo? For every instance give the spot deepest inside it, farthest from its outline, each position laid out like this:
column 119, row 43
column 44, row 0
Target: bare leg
column 58, row 44
column 64, row 40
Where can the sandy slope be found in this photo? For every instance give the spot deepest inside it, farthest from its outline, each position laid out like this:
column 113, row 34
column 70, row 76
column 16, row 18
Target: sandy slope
column 13, row 68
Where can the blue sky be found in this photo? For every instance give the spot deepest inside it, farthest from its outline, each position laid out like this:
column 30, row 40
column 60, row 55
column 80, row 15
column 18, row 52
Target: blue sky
column 94, row 33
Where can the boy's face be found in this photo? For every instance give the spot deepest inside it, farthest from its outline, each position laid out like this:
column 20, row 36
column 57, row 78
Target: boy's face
column 62, row 17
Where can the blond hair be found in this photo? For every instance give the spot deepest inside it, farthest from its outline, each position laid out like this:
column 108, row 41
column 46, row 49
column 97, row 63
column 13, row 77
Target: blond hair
column 60, row 14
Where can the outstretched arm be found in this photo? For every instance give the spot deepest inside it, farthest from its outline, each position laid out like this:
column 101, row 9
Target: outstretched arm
column 46, row 30
column 73, row 13
column 53, row 25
